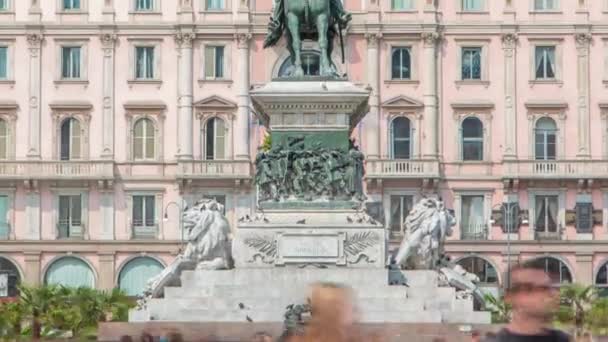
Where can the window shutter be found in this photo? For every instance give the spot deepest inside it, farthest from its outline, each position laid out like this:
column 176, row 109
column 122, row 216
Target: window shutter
column 4, row 227
column 584, row 217
column 220, row 136
column 3, row 62
column 209, row 62
column 75, row 139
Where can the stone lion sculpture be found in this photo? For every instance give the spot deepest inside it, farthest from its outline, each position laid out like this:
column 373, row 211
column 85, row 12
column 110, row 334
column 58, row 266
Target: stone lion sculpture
column 208, row 245
column 426, row 228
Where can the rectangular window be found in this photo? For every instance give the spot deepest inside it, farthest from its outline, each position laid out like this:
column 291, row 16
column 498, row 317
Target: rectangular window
column 584, row 217
column 471, row 63
column 4, row 224
column 214, row 62
column 546, row 210
column 144, row 216
column 544, row 62
column 70, row 62
column 401, row 63
column 402, row 5
column 3, row 62
column 400, row 208
column 545, row 144
column 545, row 5
column 71, row 4
column 472, row 223
column 4, row 5
column 144, row 61
column 215, row 5
column 144, row 5
column 70, row 217
column 472, row 5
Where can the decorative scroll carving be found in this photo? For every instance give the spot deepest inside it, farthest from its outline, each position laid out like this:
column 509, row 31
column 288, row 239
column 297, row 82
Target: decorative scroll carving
column 184, row 39
column 265, row 246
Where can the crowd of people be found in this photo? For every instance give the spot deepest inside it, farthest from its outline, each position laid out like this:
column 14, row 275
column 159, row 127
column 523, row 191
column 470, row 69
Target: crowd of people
column 334, row 316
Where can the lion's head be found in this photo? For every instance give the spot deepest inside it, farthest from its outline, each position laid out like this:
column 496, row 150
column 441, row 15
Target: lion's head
column 425, row 212
column 201, row 215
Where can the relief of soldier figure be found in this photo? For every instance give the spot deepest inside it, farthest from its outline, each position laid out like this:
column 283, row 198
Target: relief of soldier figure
column 284, row 173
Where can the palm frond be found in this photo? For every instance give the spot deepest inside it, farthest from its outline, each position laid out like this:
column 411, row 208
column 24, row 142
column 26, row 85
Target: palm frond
column 359, row 242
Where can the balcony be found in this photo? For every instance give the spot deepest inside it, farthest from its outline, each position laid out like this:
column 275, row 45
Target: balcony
column 547, row 236
column 474, row 232
column 214, row 169
column 141, row 231
column 556, row 169
column 57, row 170
column 402, row 168
column 70, row 231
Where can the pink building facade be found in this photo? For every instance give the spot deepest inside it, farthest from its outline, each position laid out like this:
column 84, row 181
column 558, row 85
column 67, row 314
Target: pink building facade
column 116, row 114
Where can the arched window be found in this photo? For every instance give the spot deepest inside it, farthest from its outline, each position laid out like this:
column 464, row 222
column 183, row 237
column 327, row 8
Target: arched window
column 135, row 274
column 401, row 143
column 601, row 280
column 71, row 272
column 555, row 268
column 472, row 139
column 9, row 278
column 215, row 139
column 401, row 64
column 480, row 267
column 4, row 139
column 143, row 139
column 70, row 139
column 545, row 139
column 310, row 64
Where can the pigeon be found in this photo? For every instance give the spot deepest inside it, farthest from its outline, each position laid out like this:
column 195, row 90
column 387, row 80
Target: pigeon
column 302, row 221
column 241, row 306
column 360, row 220
column 248, row 319
column 242, row 219
column 266, row 220
column 348, row 219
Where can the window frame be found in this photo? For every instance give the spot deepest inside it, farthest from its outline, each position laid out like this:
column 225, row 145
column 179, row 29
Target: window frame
column 535, row 113
column 84, row 210
column 153, row 7
column 482, row 9
column 472, row 139
column 533, row 8
column 80, row 112
column 144, row 138
column 7, row 8
column 484, row 45
column 227, row 61
column 154, row 112
column 10, row 60
column 557, row 43
column 391, row 146
column 413, row 46
column 402, row 197
column 226, row 8
column 71, row 156
column 84, row 52
column 392, row 51
column 206, row 134
column 158, row 211
column 487, row 208
column 482, row 111
column 82, row 11
column 10, row 211
column 10, row 117
column 386, row 198
column 561, row 209
column 145, row 43
column 412, row 8
column 546, row 133
column 214, row 49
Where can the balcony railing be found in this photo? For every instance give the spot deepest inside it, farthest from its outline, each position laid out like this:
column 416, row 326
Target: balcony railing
column 70, row 231
column 545, row 235
column 474, row 232
column 404, row 168
column 56, row 169
column 144, row 232
column 201, row 169
column 556, row 169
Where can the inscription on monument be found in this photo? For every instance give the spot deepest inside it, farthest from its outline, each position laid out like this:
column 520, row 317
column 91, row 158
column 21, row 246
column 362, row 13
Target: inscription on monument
column 302, row 246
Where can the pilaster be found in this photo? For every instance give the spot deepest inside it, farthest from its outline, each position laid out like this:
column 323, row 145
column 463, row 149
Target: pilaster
column 241, row 136
column 430, row 133
column 108, row 41
column 106, row 271
column 185, row 94
column 34, row 41
column 583, row 41
column 107, row 214
column 371, row 120
column 32, row 268
column 32, row 210
column 108, row 13
column 584, row 268
column 509, row 46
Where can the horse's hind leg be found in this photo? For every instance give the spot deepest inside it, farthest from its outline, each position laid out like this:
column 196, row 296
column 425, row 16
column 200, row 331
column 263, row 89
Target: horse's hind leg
column 293, row 22
column 322, row 27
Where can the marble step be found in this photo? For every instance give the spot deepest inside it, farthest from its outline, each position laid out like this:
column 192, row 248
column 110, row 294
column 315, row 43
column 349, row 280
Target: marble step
column 479, row 317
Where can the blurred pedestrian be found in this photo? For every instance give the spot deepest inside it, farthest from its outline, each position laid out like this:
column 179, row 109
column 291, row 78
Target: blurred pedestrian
column 175, row 337
column 333, row 315
column 533, row 300
column 261, row 336
column 126, row 338
column 145, row 337
column 475, row 336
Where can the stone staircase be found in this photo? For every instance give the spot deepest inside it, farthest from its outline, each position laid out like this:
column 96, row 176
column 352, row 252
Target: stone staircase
column 261, row 295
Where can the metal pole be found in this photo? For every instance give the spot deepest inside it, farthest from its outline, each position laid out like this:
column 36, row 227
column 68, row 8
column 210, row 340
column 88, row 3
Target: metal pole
column 509, row 207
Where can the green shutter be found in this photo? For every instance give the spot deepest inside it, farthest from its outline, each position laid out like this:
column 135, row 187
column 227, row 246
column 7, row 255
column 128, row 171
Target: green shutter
column 4, row 226
column 136, row 273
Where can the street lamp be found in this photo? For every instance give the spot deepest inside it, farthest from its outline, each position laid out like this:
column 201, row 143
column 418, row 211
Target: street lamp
column 507, row 208
column 180, row 208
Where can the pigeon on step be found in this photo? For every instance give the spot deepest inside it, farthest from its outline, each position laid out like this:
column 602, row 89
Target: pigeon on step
column 302, row 221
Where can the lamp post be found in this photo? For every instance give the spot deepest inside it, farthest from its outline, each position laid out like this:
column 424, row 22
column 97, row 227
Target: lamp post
column 180, row 208
column 507, row 208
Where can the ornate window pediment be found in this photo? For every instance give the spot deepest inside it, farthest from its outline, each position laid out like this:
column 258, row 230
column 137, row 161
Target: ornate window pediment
column 214, row 103
column 216, row 116
column 141, row 136
column 402, row 102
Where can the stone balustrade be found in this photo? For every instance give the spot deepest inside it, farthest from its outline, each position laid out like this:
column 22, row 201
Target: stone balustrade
column 89, row 169
column 411, row 168
column 224, row 169
column 577, row 169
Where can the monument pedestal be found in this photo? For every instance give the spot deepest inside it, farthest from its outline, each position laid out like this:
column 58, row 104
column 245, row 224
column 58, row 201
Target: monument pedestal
column 262, row 294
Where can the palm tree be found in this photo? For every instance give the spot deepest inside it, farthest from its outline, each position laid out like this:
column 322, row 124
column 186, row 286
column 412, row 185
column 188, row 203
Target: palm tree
column 37, row 303
column 11, row 317
column 116, row 305
column 576, row 301
column 597, row 317
column 501, row 310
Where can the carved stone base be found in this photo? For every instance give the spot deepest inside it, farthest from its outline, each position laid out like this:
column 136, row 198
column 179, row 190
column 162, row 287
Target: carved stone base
column 319, row 239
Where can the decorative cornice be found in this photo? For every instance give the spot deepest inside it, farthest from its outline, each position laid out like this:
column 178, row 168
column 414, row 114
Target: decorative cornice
column 184, row 39
column 145, row 105
column 34, row 40
column 548, row 104
column 583, row 40
column 107, row 40
column 242, row 40
column 472, row 105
